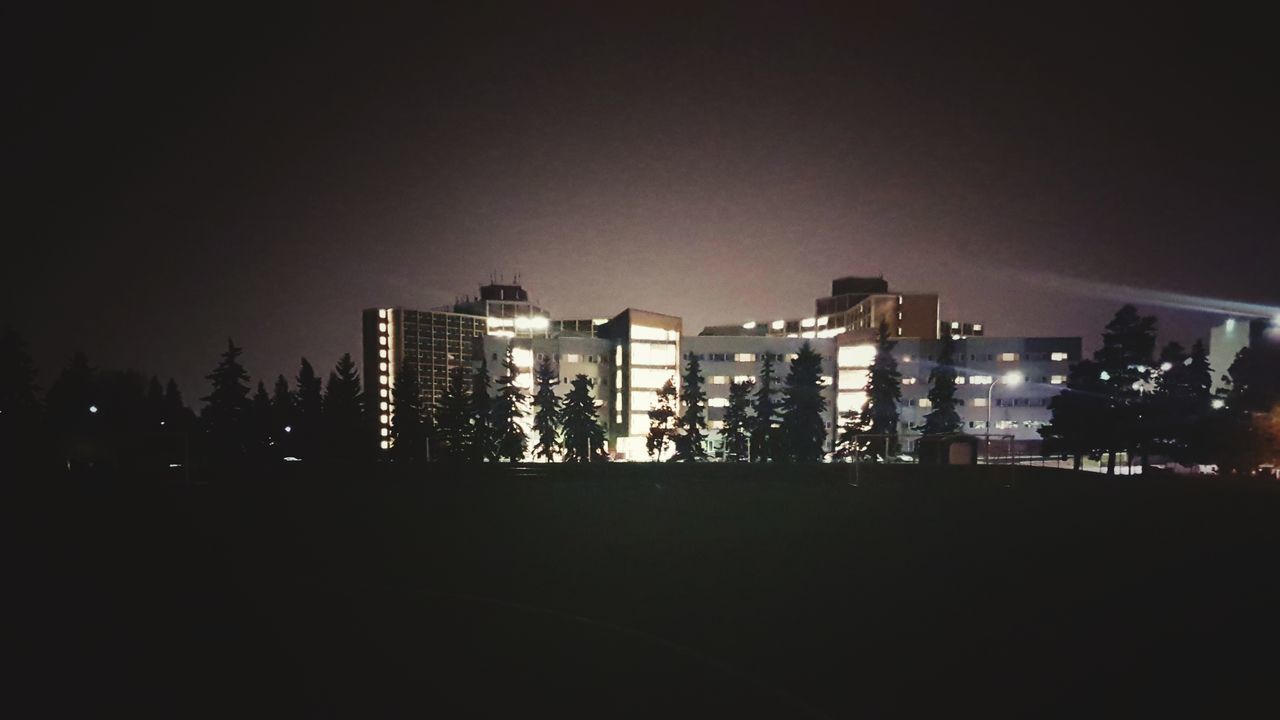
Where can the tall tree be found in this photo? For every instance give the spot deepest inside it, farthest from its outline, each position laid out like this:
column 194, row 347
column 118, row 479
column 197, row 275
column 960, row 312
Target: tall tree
column 690, row 440
column 765, row 423
column 408, row 421
column 584, row 439
column 736, row 432
column 72, row 399
column 804, row 434
column 155, row 405
column 943, row 418
column 546, row 417
column 177, row 416
column 308, row 430
column 225, row 414
column 662, row 421
column 455, row 428
column 263, row 433
column 508, row 411
column 282, row 418
column 1078, row 426
column 347, row 429
column 1124, row 363
column 484, row 438
column 1181, row 402
column 884, row 392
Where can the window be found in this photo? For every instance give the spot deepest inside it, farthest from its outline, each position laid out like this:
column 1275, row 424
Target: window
column 979, row 402
column 1006, row 424
column 382, row 354
column 382, row 340
column 650, row 378
column 1057, row 379
column 719, row 379
column 908, row 381
column 382, row 367
column 778, row 324
column 718, row 402
column 744, row 378
column 906, row 358
column 1008, row 357
column 978, row 424
column 716, row 424
column 384, row 406
column 1059, row 356
column 572, row 357
column 644, row 332
column 924, row 402
column 744, row 357
column 792, row 356
column 825, row 380
column 653, row 354
column 382, row 327
column 959, row 379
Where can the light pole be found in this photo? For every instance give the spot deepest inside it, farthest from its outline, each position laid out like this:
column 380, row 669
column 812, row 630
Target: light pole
column 1012, row 379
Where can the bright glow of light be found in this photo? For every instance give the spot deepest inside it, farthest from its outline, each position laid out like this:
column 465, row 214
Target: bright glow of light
column 793, row 335
column 825, row 380
column 1013, row 379
column 1057, row 379
column 524, row 380
column 979, row 402
column 382, row 313
column 382, row 367
column 382, row 354
column 599, row 321
column 1137, row 385
column 856, row 356
column 639, row 424
column 808, row 322
column 1104, row 375
column 288, row 428
column 93, row 408
column 290, row 458
column 977, row 327
column 382, row 340
column 659, row 354
column 846, row 401
column 382, row 327
column 822, row 321
column 385, row 445
column 502, row 333
column 924, row 402
column 854, row 379
column 175, row 465
column 384, row 419
column 643, row 400
column 744, row 378
column 651, row 378
column 494, row 322
column 778, row 324
column 523, row 357
column 1058, row 356
column 1218, row 403
column 718, row 402
column 617, row 359
column 382, row 379
column 531, row 323
column 1166, row 366
column 716, row 424
column 386, row 432
column 744, row 357
column 383, row 392
column 906, row 358
column 1008, row 357
column 646, row 332
column 808, row 334
column 980, row 380
column 959, row 379
column 908, row 381
column 749, row 325
column 1231, row 324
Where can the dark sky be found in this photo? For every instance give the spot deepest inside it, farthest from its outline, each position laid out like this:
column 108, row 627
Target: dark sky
column 180, row 176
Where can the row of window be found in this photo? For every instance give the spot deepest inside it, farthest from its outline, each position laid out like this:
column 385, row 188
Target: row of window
column 1006, row 357
column 1000, row 402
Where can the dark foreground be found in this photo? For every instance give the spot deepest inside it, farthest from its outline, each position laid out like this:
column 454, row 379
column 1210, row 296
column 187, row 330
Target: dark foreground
column 648, row 591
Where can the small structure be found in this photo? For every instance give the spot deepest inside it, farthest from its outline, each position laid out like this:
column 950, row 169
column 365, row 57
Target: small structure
column 950, row 449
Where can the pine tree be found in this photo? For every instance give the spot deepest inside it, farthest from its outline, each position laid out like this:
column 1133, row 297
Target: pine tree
column 347, row 430
column 308, row 430
column 508, row 410
column 484, row 436
column 546, row 418
column 263, row 434
column 408, row 423
column 804, row 434
column 584, row 439
column 943, row 418
column 282, row 418
column 1181, row 402
column 691, row 425
column 1124, row 365
column 72, row 400
column 879, row 414
column 226, row 410
column 737, row 422
column 454, row 424
column 765, row 425
column 1074, row 428
column 155, row 405
column 177, row 416
column 661, row 421
column 847, row 442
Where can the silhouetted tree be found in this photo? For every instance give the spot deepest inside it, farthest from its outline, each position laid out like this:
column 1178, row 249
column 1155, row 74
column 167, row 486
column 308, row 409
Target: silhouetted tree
column 736, row 432
column 308, row 428
column 20, row 412
column 508, row 410
column 226, row 407
column 177, row 416
column 454, row 423
column 1181, row 402
column 155, row 404
column 347, row 430
column 546, row 417
column 263, row 431
column 847, row 443
column 691, row 425
column 804, row 433
column 943, row 418
column 661, row 421
column 408, row 421
column 484, row 436
column 283, row 418
column 584, row 439
column 1242, row 432
column 880, row 414
column 1074, row 428
column 765, row 425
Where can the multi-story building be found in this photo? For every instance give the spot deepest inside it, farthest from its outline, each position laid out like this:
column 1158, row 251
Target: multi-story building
column 630, row 355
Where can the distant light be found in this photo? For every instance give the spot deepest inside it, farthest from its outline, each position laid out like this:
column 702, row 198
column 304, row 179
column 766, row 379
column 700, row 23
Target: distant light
column 778, row 324
column 1275, row 321
column 808, row 322
column 1104, row 375
column 599, row 321
column 749, row 325
column 1231, row 324
column 175, row 465
column 1013, row 379
column 1218, row 403
column 288, row 428
column 1137, row 385
column 161, row 422
column 290, row 458
column 382, row 313
column 93, row 408
column 1166, row 366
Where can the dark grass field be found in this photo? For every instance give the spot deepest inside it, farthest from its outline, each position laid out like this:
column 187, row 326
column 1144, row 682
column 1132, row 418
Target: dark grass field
column 647, row 591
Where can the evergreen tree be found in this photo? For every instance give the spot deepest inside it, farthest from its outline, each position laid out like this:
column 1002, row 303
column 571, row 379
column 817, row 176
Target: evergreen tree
column 661, row 421
column 226, row 410
column 1181, row 402
column 155, row 405
column 484, row 436
column 737, row 422
column 765, row 426
column 177, row 416
column 943, row 418
column 308, row 430
column 347, row 430
column 692, row 422
column 1073, row 429
column 847, row 445
column 804, row 434
column 263, row 438
column 584, row 439
column 282, row 418
column 546, row 418
column 508, row 410
column 879, row 415
column 408, row 422
column 72, row 399
column 454, row 423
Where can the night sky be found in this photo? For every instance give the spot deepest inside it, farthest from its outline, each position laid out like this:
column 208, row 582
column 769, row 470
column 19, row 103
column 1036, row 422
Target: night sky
column 181, row 176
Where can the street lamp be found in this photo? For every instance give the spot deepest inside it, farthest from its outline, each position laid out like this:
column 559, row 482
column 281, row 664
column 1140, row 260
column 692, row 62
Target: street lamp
column 1012, row 379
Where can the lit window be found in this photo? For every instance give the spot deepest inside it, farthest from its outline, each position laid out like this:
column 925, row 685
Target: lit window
column 382, row 354
column 617, row 378
column 384, row 419
column 955, row 325
column 744, row 378
column 572, row 357
column 650, row 378
column 385, row 445
column 980, row 380
column 899, row 331
column 959, row 379
column 639, row 424
column 853, row 379
column 382, row 367
column 906, row 358
column 792, row 356
column 808, row 334
column 977, row 327
column 822, row 321
column 382, row 313
column 924, row 402
column 617, row 357
column 653, row 354
column 643, row 400
column 384, row 406
column 908, row 381
column 979, row 402
column 808, row 322
column 382, row 327
column 382, row 379
column 386, row 432
column 382, row 340
column 716, row 424
column 1008, row 357
column 856, row 356
column 749, row 325
column 718, row 402
column 846, row 401
column 1057, row 379
column 825, row 380
column 1058, row 356
column 719, row 379
column 899, row 316
column 778, row 324
column 1006, row 424
column 383, row 392
column 744, row 357
column 645, row 332
column 899, row 299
